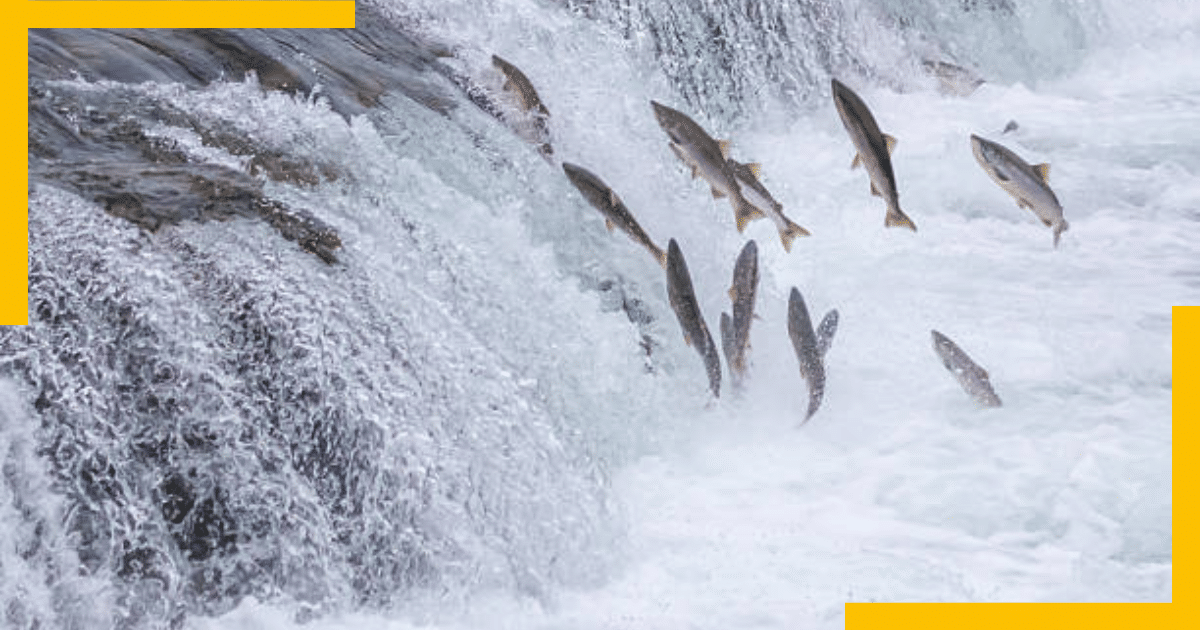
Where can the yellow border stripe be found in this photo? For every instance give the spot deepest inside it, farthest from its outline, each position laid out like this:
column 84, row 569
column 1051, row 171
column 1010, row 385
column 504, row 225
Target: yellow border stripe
column 189, row 14
column 14, row 137
column 1185, row 405
column 1013, row 616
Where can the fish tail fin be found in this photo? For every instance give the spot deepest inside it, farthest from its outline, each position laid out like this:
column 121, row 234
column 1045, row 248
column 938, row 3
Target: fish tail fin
column 1059, row 228
column 790, row 232
column 897, row 218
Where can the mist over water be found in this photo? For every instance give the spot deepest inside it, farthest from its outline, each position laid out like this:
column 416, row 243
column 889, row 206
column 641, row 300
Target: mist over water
column 482, row 414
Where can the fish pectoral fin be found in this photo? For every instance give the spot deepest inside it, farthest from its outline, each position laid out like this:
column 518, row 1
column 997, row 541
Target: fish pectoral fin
column 1021, row 203
column 609, row 224
column 890, row 142
column 508, row 85
column 1043, row 171
column 724, row 146
column 745, row 214
column 717, row 194
column 856, row 162
column 1047, row 222
column 755, row 168
column 874, row 190
column 733, row 293
column 613, row 199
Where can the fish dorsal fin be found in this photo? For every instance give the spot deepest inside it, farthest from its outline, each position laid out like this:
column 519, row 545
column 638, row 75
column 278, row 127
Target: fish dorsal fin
column 755, row 168
column 609, row 224
column 724, row 146
column 856, row 162
column 890, row 142
column 1043, row 171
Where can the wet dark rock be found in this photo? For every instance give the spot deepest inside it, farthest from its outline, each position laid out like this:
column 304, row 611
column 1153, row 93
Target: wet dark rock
column 145, row 563
column 150, row 182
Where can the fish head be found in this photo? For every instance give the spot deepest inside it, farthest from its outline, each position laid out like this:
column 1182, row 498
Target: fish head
column 990, row 158
column 581, row 177
column 989, row 154
column 677, row 272
column 667, row 118
column 749, row 255
column 941, row 344
column 848, row 104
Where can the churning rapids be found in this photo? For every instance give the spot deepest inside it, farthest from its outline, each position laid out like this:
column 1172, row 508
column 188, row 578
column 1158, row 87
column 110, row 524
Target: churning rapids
column 318, row 337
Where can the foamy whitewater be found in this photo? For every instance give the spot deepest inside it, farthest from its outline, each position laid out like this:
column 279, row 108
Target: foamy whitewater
column 728, row 514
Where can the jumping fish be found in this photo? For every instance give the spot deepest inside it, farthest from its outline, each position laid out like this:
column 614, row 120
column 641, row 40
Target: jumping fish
column 707, row 158
column 1029, row 185
column 874, row 151
column 683, row 300
column 810, row 347
column 757, row 195
column 974, row 379
column 516, row 83
column 735, row 331
column 952, row 79
column 609, row 204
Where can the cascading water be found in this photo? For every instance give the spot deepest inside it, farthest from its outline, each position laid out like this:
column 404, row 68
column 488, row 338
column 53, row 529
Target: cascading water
column 311, row 326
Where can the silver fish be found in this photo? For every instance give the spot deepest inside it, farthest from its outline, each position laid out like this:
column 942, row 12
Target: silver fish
column 952, row 79
column 810, row 347
column 874, row 152
column 683, row 300
column 735, row 331
column 707, row 158
column 516, row 83
column 974, row 379
column 757, row 195
column 609, row 204
column 1029, row 185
